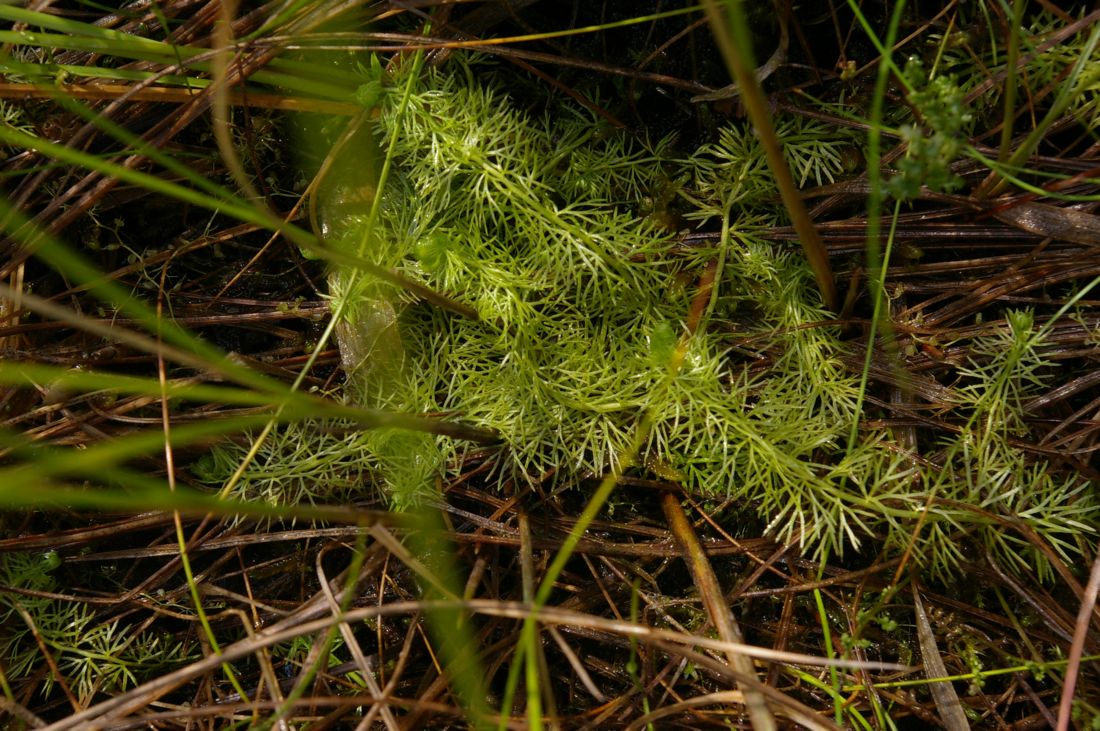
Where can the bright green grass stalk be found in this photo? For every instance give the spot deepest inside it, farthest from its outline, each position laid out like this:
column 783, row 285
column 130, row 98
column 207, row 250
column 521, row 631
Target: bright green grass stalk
column 1008, row 119
column 75, row 35
column 1079, row 89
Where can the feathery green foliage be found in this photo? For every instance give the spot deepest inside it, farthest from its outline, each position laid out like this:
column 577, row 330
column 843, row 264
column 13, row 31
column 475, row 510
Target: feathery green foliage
column 986, row 467
column 540, row 224
column 93, row 656
column 554, row 228
column 537, row 224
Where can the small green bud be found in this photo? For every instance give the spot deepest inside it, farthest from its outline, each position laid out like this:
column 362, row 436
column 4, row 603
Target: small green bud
column 370, row 94
column 50, row 560
column 662, row 343
column 431, row 250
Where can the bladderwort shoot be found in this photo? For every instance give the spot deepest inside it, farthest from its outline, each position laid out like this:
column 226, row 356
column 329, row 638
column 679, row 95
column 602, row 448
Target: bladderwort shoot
column 552, row 228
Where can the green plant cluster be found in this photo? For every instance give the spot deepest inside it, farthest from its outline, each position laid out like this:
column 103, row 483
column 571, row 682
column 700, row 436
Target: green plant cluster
column 93, row 656
column 547, row 226
column 539, row 224
column 931, row 151
column 986, row 466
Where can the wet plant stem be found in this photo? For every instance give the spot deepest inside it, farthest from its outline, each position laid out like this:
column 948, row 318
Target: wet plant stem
column 731, row 34
column 702, row 573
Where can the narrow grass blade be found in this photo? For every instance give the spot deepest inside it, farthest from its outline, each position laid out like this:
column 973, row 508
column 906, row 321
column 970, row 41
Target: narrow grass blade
column 943, row 692
column 718, row 611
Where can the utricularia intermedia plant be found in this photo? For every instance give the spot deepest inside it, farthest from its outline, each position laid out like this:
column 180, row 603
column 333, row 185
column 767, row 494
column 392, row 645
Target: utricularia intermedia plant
column 553, row 227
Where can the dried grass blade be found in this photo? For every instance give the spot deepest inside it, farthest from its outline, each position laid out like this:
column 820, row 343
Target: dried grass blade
column 943, row 693
column 730, row 35
column 1080, row 631
column 714, row 601
column 1056, row 222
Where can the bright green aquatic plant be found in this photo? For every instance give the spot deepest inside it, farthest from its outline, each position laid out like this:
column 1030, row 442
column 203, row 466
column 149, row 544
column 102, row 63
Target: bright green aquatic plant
column 543, row 225
column 92, row 656
column 985, row 466
column 536, row 223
